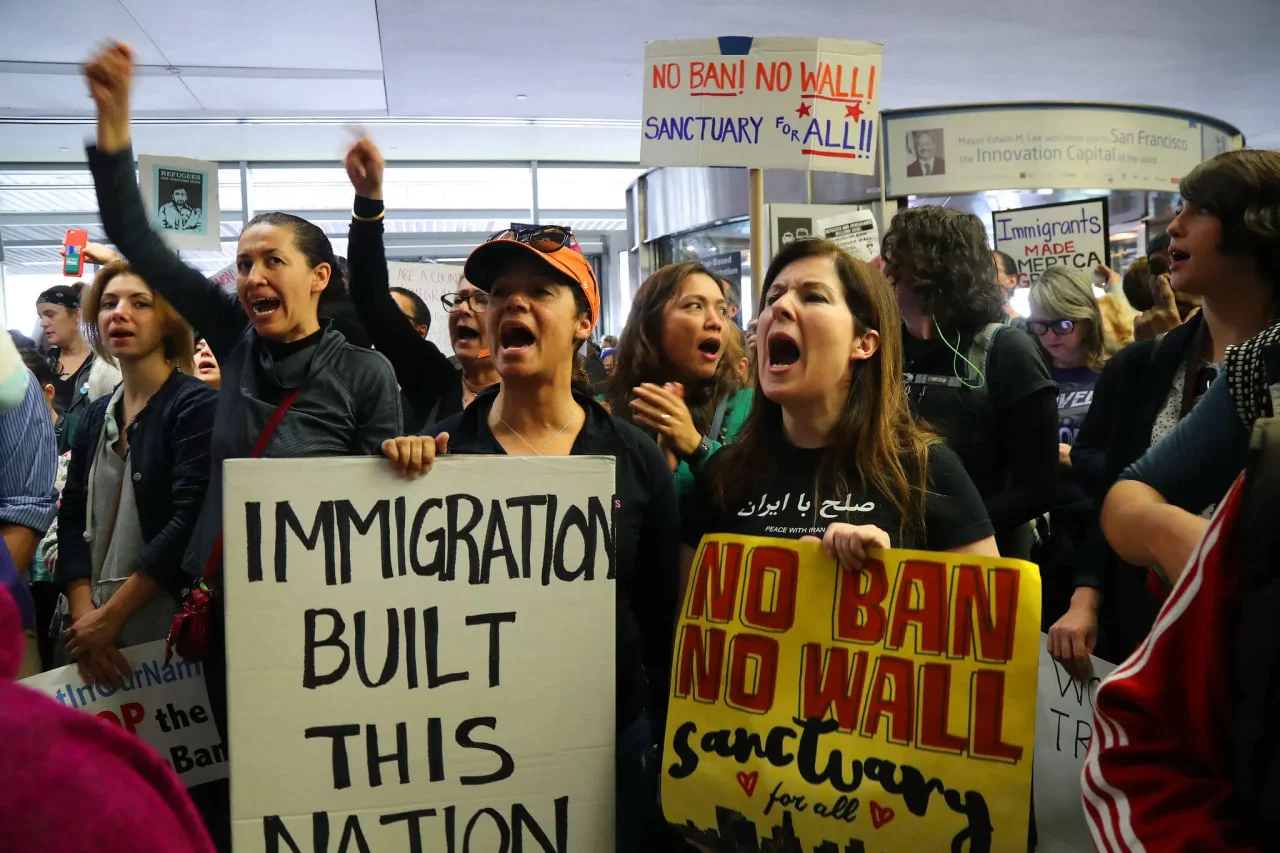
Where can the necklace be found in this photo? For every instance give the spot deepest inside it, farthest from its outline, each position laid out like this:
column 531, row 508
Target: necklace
column 535, row 450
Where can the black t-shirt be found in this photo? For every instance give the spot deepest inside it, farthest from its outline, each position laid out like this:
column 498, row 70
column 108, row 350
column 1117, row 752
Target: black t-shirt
column 970, row 419
column 795, row 505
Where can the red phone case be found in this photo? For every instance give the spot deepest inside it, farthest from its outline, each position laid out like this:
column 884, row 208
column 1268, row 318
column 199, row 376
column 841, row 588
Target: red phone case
column 79, row 238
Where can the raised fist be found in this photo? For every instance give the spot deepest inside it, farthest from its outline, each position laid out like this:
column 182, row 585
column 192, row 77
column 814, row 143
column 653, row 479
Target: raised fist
column 110, row 76
column 364, row 166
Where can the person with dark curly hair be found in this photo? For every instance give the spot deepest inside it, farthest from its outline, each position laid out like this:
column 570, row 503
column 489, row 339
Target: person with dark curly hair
column 979, row 383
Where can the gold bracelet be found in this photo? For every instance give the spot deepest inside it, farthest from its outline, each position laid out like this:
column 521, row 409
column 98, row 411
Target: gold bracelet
column 381, row 214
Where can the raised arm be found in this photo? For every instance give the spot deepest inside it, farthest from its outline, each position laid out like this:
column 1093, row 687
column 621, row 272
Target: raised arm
column 424, row 373
column 205, row 305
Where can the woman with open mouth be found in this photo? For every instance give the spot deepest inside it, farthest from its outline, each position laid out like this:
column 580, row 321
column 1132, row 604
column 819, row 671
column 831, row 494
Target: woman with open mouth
column 80, row 375
column 139, row 471
column 831, row 449
column 431, row 387
column 207, row 370
column 981, row 384
column 1147, row 395
column 542, row 304
column 676, row 369
column 298, row 387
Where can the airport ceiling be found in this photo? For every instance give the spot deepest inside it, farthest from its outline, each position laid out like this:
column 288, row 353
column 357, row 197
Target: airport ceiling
column 495, row 79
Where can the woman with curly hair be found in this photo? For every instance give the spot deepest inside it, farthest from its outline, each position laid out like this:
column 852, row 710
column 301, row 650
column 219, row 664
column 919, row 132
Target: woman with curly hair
column 981, row 384
column 676, row 372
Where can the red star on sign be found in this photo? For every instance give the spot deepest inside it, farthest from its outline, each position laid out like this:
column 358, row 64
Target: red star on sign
column 853, row 111
column 804, row 110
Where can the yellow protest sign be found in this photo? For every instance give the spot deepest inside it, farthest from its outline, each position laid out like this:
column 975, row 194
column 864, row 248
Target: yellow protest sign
column 873, row 711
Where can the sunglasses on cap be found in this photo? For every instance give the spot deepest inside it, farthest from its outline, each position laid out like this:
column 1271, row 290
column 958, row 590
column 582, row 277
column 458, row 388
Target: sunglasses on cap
column 1060, row 328
column 544, row 238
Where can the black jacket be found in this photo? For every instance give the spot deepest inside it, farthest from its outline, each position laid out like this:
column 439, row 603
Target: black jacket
column 646, row 539
column 169, row 457
column 431, row 385
column 349, row 403
column 1116, row 432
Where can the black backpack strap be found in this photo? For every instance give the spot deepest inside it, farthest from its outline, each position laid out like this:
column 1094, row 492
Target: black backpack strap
column 717, row 421
column 1255, row 550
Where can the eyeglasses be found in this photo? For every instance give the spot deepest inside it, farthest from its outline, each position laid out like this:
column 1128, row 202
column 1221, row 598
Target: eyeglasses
column 477, row 300
column 544, row 238
column 1060, row 328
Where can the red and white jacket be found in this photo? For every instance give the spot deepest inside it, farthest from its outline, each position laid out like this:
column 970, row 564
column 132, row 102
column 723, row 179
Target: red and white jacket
column 1157, row 777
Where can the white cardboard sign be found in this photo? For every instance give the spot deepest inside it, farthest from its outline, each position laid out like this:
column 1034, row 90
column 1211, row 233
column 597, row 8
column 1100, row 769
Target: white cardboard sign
column 1072, row 234
column 181, row 196
column 769, row 103
column 165, row 705
column 430, row 281
column 430, row 659
column 1064, row 728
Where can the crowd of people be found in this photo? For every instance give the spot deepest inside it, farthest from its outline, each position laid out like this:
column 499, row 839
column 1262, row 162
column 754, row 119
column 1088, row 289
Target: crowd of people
column 1095, row 437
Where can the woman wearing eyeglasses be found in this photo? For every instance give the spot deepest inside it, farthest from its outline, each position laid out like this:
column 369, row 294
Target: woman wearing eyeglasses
column 466, row 310
column 1066, row 319
column 431, row 388
column 542, row 304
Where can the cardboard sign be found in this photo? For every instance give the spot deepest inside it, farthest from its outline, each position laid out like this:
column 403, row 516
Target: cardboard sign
column 1072, row 234
column 182, row 198
column 853, row 229
column 430, row 281
column 166, row 705
column 770, row 103
column 1064, row 728
column 421, row 665
column 891, row 708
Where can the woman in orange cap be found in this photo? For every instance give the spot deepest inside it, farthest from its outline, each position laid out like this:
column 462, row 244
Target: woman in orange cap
column 542, row 303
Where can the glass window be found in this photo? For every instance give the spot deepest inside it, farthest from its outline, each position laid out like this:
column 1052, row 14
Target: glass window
column 593, row 188
column 459, row 188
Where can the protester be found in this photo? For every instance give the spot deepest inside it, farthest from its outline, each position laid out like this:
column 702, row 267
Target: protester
column 542, row 303
column 677, row 369
column 1118, row 314
column 138, row 476
column 1007, row 278
column 1067, row 320
column 431, row 387
column 298, row 388
column 414, row 307
column 80, row 377
column 1221, row 253
column 207, row 369
column 830, row 448
column 45, row 591
column 984, row 386
column 609, row 358
column 1208, row 669
column 139, row 803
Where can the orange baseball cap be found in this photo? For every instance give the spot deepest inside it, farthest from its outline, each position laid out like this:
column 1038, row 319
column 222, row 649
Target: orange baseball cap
column 487, row 261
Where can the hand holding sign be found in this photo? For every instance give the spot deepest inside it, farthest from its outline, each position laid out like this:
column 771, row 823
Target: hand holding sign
column 413, row 455
column 1073, row 637
column 848, row 544
column 365, row 166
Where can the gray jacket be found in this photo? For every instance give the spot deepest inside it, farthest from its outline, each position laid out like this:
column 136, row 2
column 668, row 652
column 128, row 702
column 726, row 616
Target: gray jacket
column 349, row 404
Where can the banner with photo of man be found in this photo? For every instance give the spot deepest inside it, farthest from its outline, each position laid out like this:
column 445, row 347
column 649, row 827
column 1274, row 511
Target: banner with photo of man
column 182, row 198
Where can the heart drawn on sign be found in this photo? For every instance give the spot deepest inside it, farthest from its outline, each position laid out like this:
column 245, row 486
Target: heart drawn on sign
column 880, row 815
column 748, row 782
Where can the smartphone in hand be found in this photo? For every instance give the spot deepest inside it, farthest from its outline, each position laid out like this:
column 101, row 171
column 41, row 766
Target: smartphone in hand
column 73, row 252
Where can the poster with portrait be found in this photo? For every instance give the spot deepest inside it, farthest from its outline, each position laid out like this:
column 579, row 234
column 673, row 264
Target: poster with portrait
column 181, row 196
